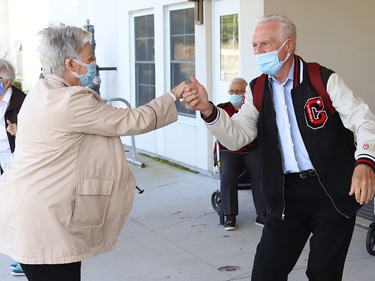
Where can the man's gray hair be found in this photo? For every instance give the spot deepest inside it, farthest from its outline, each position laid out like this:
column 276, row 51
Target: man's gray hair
column 287, row 28
column 58, row 43
column 7, row 71
column 241, row 80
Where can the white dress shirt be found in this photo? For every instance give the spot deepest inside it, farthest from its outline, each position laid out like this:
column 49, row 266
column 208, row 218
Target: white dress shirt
column 293, row 151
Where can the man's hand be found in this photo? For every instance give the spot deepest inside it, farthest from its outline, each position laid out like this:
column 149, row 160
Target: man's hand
column 363, row 184
column 11, row 128
column 197, row 97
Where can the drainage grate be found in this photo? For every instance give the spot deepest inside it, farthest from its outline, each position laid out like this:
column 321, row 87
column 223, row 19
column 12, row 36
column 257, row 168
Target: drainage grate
column 229, row 268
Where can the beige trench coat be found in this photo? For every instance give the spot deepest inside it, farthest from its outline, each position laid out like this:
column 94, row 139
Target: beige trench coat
column 67, row 190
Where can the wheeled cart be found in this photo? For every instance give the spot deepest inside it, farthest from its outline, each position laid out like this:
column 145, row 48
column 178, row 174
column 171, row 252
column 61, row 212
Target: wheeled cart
column 370, row 239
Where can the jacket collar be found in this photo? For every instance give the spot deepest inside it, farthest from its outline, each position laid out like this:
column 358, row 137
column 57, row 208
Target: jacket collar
column 16, row 99
column 58, row 80
column 298, row 70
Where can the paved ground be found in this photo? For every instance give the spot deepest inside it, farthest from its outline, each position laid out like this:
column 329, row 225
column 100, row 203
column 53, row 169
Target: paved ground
column 173, row 233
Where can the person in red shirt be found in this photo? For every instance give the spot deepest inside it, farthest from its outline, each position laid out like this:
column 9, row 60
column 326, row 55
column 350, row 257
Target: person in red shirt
column 233, row 163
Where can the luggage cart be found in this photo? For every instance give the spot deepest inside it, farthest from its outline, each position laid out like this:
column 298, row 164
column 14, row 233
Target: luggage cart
column 242, row 184
column 370, row 239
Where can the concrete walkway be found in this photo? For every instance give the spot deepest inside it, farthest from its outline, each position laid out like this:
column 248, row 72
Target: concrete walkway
column 173, row 233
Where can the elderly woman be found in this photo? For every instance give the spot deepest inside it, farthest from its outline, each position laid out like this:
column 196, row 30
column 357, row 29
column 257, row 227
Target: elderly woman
column 68, row 191
column 11, row 99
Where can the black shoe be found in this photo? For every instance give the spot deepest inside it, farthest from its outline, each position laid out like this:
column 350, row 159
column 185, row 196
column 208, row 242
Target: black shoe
column 230, row 223
column 260, row 221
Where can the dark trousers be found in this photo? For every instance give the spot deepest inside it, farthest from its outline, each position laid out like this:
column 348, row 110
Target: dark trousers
column 55, row 272
column 232, row 165
column 308, row 211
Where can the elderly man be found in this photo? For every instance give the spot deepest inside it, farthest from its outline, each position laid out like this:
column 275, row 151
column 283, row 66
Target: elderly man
column 233, row 163
column 314, row 177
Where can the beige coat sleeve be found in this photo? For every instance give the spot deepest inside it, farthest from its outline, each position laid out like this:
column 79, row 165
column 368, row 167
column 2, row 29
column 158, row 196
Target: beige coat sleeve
column 89, row 114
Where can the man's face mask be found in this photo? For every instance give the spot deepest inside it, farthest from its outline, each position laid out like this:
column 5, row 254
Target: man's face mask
column 90, row 75
column 269, row 63
column 236, row 99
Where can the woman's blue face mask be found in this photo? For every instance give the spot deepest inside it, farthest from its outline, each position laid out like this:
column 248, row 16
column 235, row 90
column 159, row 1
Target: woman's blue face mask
column 2, row 88
column 87, row 79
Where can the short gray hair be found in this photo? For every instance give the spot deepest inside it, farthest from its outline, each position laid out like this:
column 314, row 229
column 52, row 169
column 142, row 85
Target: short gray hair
column 287, row 28
column 7, row 71
column 59, row 42
column 241, row 80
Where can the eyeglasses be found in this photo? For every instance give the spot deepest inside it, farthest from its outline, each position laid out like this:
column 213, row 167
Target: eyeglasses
column 236, row 92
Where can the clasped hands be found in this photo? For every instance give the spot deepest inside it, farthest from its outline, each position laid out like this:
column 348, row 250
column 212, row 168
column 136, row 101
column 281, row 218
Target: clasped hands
column 194, row 94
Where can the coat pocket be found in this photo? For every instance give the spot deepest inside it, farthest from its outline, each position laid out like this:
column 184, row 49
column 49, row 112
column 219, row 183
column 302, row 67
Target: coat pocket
column 91, row 203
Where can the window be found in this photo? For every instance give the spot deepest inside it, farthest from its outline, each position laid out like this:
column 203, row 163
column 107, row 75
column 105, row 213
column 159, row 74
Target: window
column 182, row 51
column 228, row 47
column 144, row 59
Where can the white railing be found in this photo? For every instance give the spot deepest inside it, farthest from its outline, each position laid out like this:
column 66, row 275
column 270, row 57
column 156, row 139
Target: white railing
column 132, row 159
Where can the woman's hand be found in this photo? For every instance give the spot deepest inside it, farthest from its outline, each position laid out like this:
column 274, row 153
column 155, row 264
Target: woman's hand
column 11, row 128
column 180, row 88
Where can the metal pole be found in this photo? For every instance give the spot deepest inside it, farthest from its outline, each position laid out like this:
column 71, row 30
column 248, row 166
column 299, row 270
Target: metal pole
column 133, row 160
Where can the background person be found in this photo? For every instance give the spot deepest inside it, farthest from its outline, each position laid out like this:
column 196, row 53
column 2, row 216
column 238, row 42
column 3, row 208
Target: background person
column 314, row 178
column 233, row 163
column 11, row 99
column 68, row 191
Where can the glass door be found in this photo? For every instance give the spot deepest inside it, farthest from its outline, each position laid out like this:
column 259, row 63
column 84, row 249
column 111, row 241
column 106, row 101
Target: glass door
column 226, row 46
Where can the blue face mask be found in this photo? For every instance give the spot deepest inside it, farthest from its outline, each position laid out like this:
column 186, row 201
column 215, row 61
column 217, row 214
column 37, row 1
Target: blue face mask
column 236, row 99
column 269, row 63
column 2, row 88
column 87, row 79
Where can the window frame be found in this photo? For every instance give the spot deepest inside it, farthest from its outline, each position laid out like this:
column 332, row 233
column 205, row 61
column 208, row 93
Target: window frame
column 184, row 117
column 137, row 63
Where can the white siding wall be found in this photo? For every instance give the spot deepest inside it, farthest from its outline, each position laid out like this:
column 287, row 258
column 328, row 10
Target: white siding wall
column 4, row 28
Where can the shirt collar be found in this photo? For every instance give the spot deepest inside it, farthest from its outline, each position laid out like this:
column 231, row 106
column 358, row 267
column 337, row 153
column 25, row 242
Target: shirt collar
column 272, row 78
